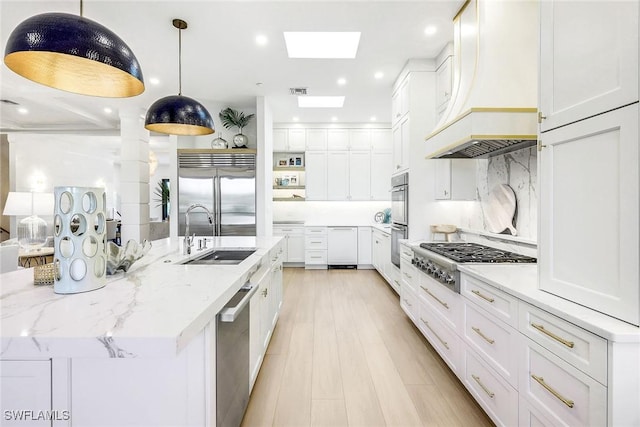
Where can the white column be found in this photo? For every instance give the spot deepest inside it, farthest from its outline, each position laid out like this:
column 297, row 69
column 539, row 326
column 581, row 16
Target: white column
column 134, row 176
column 264, row 168
column 173, row 186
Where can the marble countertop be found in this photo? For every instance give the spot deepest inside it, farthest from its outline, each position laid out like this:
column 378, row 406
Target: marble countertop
column 521, row 281
column 153, row 310
column 336, row 223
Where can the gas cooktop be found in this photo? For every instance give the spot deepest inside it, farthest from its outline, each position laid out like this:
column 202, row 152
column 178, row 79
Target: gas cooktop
column 473, row 252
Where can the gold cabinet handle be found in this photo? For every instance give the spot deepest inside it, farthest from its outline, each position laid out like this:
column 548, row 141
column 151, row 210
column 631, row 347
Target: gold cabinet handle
column 407, row 302
column 479, row 332
column 444, row 304
column 547, row 387
column 408, row 275
column 541, row 117
column 541, row 328
column 444, row 343
column 541, row 145
column 484, row 297
column 396, row 282
column 486, row 390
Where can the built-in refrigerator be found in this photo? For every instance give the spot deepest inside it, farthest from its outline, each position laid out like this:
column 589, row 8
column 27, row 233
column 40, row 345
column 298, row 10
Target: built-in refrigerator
column 223, row 182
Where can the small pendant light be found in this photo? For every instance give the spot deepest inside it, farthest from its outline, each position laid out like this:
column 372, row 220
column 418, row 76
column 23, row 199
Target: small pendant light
column 178, row 114
column 74, row 54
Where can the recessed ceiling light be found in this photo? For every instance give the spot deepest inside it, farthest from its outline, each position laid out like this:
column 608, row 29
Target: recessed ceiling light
column 342, row 81
column 23, row 110
column 334, row 119
column 154, row 81
column 335, row 45
column 430, row 30
column 261, row 40
column 373, row 118
column 295, row 119
column 107, row 110
column 320, row 101
column 379, row 75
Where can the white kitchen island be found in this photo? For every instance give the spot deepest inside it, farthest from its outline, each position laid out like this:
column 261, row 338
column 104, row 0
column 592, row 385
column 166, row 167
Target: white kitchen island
column 138, row 352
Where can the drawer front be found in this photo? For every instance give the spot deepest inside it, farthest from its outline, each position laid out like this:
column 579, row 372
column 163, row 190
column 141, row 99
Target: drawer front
column 315, row 257
column 496, row 302
column 277, row 252
column 315, row 231
column 446, row 342
column 581, row 348
column 288, row 231
column 406, row 253
column 494, row 341
column 409, row 302
column 409, row 274
column 529, row 416
column 441, row 300
column 315, row 242
column 562, row 393
column 492, row 392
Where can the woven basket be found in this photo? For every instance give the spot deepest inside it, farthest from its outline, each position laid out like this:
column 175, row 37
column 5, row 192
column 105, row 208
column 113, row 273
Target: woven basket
column 45, row 274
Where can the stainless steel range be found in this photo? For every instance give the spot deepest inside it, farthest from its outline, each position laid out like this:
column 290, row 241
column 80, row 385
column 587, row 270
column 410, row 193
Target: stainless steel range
column 440, row 260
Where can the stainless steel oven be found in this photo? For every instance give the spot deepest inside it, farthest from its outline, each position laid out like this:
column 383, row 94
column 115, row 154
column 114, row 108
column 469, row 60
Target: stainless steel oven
column 399, row 214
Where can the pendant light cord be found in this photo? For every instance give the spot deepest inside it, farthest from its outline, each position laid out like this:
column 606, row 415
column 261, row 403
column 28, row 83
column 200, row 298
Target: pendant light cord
column 81, row 9
column 180, row 61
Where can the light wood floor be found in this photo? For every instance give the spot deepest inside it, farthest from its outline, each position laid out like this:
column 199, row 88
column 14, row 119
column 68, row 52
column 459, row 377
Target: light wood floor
column 345, row 354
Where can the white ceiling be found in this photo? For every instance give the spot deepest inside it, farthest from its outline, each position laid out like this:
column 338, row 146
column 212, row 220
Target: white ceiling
column 222, row 64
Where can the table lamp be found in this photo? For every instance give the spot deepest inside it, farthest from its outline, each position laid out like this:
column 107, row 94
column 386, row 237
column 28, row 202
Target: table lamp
column 32, row 230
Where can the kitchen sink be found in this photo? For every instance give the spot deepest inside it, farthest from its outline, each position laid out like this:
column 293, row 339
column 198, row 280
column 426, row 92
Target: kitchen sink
column 222, row 257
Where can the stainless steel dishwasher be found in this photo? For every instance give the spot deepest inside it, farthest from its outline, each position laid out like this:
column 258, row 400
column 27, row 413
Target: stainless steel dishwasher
column 232, row 358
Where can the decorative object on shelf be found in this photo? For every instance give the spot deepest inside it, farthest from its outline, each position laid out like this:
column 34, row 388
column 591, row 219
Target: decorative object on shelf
column 229, row 118
column 501, row 210
column 178, row 114
column 283, row 163
column 163, row 198
column 379, row 217
column 79, row 228
column 387, row 216
column 219, row 142
column 121, row 258
column 74, row 54
column 298, row 162
column 445, row 229
column 32, row 230
column 45, row 274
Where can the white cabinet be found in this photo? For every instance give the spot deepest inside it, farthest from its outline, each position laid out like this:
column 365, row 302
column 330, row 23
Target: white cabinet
column 409, row 277
column 455, row 179
column 337, row 139
column 316, row 175
column 380, row 176
column 316, row 139
column 280, row 138
column 258, row 331
column 444, row 80
column 342, row 245
column 289, row 139
column 396, row 113
column 293, row 245
column 382, row 258
column 381, row 141
column 588, row 59
column 349, row 175
column 359, row 139
column 25, row 385
column 315, row 245
column 401, row 145
column 360, row 175
column 589, row 200
column 365, row 254
column 338, row 175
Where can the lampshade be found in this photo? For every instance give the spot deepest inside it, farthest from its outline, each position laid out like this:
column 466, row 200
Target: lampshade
column 178, row 114
column 23, row 203
column 74, row 54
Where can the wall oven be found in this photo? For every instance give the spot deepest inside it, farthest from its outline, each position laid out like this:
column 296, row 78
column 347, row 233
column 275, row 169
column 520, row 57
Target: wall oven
column 399, row 214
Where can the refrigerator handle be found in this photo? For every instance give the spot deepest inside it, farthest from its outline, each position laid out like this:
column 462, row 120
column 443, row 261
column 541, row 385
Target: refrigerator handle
column 216, row 205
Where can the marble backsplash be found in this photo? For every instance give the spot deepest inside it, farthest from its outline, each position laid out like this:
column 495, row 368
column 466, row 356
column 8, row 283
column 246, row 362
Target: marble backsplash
column 519, row 170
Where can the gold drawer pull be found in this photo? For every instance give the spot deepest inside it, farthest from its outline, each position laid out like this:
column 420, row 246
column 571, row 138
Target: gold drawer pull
column 486, row 390
column 564, row 400
column 541, row 328
column 479, row 332
column 484, row 297
column 444, row 304
column 407, row 302
column 444, row 343
column 408, row 275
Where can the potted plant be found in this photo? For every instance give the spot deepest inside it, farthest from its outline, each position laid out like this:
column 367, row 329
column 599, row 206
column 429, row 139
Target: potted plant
column 162, row 193
column 230, row 118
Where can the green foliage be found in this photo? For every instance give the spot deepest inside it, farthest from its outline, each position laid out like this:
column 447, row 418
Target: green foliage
column 231, row 117
column 162, row 193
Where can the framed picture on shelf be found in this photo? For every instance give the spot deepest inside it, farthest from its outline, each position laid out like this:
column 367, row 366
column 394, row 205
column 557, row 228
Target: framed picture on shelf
column 293, row 179
column 283, row 163
column 299, row 162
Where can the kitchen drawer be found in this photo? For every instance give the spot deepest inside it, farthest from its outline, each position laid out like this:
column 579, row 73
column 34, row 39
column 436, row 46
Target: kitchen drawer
column 315, row 231
column 494, row 341
column 288, row 231
column 312, row 257
column 528, row 416
column 583, row 349
column 559, row 391
column 446, row 342
column 277, row 253
column 441, row 300
column 406, row 253
column 409, row 274
column 409, row 303
column 496, row 396
column 315, row 242
column 496, row 302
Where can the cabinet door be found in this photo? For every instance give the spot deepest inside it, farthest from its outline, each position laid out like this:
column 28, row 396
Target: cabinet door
column 359, row 175
column 359, row 139
column 25, row 385
column 443, row 82
column 589, row 198
column 316, row 139
column 406, row 143
column 381, row 169
column 266, row 311
column 280, row 138
column 397, row 147
column 396, row 114
column 338, row 175
column 283, row 231
column 442, row 179
column 337, row 139
column 276, row 293
column 588, row 59
column 297, row 139
column 316, row 175
column 376, row 244
column 365, row 253
column 256, row 348
column 404, row 96
column 295, row 248
column 381, row 141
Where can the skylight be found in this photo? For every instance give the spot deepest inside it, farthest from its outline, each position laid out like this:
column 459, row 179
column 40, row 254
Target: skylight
column 320, row 101
column 333, row 45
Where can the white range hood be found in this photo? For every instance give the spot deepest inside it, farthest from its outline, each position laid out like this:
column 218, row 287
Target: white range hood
column 493, row 107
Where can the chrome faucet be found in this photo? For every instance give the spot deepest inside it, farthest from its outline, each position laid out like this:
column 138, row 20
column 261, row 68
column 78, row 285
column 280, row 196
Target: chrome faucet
column 188, row 240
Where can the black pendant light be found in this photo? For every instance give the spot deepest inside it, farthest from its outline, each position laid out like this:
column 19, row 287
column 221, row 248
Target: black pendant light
column 178, row 114
column 74, row 54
